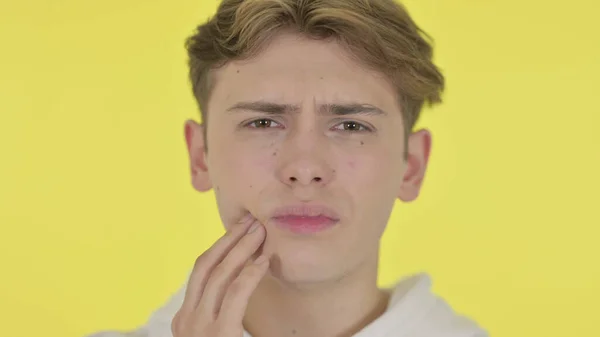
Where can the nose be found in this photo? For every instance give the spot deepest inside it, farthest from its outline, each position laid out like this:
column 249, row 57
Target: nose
column 303, row 163
column 305, row 171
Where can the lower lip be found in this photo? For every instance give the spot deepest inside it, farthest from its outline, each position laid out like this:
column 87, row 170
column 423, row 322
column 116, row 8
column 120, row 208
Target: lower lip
column 305, row 224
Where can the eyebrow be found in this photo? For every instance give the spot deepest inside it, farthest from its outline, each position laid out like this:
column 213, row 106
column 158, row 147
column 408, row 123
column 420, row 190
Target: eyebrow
column 338, row 109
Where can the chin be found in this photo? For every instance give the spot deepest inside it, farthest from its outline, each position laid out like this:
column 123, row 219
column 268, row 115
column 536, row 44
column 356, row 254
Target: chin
column 298, row 275
column 306, row 266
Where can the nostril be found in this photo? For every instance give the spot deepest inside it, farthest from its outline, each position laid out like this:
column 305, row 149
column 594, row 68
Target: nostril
column 293, row 178
column 317, row 179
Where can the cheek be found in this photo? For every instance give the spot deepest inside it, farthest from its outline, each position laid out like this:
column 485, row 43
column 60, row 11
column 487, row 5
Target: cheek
column 243, row 173
column 239, row 180
column 365, row 168
column 373, row 183
column 355, row 175
column 369, row 174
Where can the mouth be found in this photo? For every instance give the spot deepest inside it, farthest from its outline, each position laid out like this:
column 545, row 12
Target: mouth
column 305, row 219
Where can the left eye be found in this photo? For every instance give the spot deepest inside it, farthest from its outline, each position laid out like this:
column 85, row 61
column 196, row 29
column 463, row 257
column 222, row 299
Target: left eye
column 351, row 126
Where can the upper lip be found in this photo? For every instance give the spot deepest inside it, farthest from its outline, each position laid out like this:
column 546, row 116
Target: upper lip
column 306, row 210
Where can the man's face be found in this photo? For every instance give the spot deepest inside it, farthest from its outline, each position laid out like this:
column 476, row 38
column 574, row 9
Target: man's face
column 304, row 125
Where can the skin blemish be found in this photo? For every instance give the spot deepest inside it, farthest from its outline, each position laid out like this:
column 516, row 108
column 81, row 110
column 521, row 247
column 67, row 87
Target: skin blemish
column 293, row 331
column 352, row 164
column 362, row 143
column 275, row 153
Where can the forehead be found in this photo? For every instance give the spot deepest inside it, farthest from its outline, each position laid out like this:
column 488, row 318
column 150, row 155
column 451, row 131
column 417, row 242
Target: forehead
column 297, row 70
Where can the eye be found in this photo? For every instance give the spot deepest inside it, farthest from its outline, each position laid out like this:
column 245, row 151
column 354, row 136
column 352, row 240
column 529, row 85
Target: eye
column 262, row 123
column 352, row 126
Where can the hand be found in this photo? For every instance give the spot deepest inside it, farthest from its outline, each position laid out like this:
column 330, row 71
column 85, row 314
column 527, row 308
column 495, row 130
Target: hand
column 221, row 283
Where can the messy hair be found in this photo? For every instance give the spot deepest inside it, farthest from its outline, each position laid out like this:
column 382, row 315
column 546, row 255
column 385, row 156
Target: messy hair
column 378, row 33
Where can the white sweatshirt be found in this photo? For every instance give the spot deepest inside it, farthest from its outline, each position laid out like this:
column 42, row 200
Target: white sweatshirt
column 413, row 311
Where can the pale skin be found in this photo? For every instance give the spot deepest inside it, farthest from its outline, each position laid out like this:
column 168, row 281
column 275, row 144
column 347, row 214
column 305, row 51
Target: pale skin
column 349, row 158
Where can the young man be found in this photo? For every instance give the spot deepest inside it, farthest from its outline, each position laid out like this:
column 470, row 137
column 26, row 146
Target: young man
column 307, row 141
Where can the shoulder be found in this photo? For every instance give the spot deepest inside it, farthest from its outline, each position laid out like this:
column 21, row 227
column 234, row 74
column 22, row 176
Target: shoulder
column 444, row 320
column 430, row 314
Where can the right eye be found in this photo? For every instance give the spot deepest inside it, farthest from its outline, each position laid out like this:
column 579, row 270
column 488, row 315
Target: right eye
column 263, row 123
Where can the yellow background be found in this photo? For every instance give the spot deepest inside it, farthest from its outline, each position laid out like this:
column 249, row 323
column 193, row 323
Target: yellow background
column 99, row 223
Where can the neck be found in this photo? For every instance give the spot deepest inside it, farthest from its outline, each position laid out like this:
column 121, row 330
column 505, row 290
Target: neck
column 337, row 308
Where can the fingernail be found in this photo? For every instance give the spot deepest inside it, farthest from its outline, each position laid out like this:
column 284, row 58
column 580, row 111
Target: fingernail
column 254, row 227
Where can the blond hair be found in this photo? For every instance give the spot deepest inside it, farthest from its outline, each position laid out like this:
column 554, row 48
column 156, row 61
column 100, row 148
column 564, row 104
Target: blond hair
column 379, row 33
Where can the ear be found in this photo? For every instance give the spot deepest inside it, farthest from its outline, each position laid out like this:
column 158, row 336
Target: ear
column 419, row 147
column 194, row 138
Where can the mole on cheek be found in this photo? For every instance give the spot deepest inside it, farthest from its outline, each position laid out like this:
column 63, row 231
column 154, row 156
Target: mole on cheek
column 275, row 153
column 362, row 143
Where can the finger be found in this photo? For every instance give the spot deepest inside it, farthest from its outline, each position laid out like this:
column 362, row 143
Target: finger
column 209, row 259
column 238, row 293
column 228, row 270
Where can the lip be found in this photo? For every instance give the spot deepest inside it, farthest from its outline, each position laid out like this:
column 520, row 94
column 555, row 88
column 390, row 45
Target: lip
column 305, row 218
